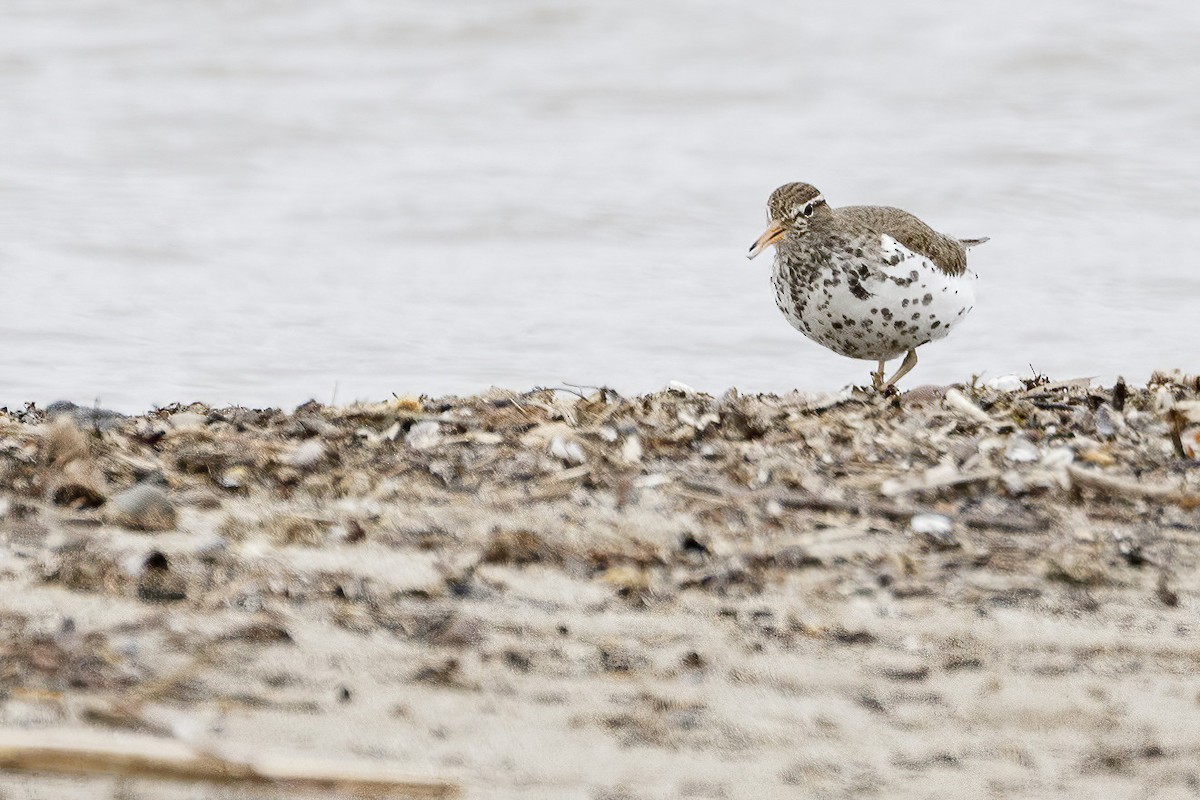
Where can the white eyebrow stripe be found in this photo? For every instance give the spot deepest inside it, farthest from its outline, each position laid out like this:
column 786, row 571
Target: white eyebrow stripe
column 813, row 203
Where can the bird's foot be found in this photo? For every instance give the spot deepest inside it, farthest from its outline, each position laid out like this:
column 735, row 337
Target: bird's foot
column 877, row 379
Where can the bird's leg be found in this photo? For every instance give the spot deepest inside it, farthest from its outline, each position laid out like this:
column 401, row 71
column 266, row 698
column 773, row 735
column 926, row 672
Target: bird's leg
column 910, row 361
column 877, row 377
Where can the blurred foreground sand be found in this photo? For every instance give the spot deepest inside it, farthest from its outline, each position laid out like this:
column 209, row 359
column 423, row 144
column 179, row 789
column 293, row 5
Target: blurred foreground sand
column 967, row 592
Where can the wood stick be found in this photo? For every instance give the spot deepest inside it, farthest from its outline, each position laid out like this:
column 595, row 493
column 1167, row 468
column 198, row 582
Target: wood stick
column 76, row 752
column 1124, row 487
column 797, row 502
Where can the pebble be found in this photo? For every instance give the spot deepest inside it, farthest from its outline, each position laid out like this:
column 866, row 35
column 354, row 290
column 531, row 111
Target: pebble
column 567, row 451
column 1006, row 383
column 1021, row 450
column 1108, row 421
column 902, row 668
column 1058, row 457
column 188, row 421
column 234, row 477
column 1013, row 482
column 424, row 435
column 932, row 524
column 142, row 507
column 307, row 455
column 651, row 481
column 699, row 423
column 631, row 449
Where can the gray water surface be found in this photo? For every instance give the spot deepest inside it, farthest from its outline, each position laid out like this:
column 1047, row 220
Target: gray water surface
column 259, row 202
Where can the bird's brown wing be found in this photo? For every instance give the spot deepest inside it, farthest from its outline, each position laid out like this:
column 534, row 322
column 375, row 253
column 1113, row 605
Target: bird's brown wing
column 947, row 253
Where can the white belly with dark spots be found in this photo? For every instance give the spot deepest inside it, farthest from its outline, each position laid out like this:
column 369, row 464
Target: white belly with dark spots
column 893, row 309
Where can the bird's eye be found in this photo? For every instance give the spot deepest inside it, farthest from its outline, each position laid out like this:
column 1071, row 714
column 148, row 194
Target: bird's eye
column 807, row 210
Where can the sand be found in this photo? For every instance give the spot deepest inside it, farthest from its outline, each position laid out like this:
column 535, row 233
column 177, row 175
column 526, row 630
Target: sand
column 963, row 591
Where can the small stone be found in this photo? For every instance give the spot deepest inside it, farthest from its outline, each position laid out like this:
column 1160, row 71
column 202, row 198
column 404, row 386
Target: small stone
column 1108, row 421
column 699, row 423
column 424, row 435
column 1006, row 383
column 1098, row 456
column 631, row 449
column 903, row 668
column 157, row 583
column 793, row 557
column 234, row 478
column 651, row 481
column 931, row 523
column 459, row 631
column 188, row 421
column 142, row 507
column 1014, row 482
column 567, row 450
column 626, row 578
column 1058, row 457
column 1021, row 450
column 307, row 455
column 1165, row 591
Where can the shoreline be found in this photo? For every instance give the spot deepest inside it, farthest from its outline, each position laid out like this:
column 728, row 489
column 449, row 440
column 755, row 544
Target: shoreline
column 670, row 595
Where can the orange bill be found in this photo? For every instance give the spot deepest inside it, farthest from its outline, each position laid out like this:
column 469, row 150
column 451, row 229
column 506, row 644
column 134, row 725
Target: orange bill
column 771, row 235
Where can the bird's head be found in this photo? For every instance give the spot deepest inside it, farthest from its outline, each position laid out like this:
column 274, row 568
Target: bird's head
column 791, row 209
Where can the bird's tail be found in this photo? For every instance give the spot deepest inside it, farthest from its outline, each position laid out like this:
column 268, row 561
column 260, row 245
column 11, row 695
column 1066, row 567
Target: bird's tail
column 973, row 242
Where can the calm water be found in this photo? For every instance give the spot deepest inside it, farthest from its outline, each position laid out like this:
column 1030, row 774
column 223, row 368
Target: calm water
column 261, row 202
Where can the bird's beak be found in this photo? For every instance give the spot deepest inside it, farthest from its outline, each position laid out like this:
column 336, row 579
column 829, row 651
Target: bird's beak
column 771, row 235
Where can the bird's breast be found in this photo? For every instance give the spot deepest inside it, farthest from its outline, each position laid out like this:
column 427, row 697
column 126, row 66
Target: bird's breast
column 869, row 298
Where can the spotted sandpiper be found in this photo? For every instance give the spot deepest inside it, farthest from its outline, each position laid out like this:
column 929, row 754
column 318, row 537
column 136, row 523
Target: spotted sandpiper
column 868, row 282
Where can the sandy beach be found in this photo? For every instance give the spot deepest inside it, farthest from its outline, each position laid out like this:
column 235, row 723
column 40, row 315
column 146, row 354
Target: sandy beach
column 967, row 591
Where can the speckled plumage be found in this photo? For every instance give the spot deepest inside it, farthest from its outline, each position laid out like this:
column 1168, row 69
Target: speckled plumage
column 867, row 282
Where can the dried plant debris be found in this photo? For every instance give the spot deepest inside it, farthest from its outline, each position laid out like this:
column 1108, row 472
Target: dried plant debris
column 671, row 574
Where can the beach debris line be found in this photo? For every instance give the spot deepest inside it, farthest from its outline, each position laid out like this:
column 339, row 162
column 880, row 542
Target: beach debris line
column 141, row 472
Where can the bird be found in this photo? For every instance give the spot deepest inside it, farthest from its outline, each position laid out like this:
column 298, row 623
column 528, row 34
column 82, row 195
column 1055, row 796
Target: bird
column 867, row 282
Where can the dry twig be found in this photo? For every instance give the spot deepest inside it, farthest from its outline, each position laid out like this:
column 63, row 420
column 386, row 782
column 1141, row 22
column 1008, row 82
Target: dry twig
column 87, row 753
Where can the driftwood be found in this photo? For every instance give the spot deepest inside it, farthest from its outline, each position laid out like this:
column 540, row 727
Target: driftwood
column 797, row 502
column 1124, row 487
column 73, row 752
